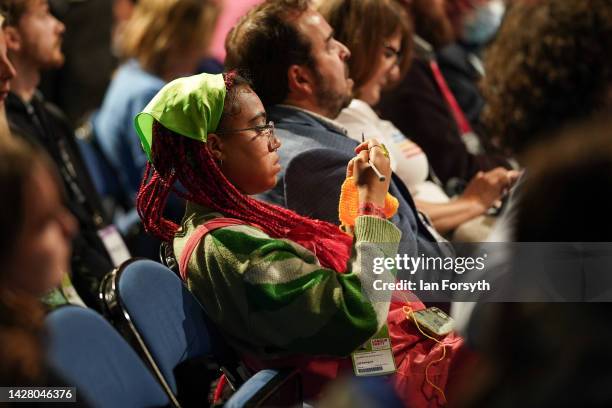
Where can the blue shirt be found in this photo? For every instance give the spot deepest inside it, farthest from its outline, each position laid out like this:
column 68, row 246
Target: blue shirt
column 129, row 92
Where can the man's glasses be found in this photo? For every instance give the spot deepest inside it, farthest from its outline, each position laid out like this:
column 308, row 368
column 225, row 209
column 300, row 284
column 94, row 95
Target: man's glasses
column 267, row 130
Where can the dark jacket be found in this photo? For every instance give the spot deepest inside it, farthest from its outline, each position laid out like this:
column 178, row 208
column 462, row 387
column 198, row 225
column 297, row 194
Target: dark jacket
column 417, row 108
column 313, row 158
column 457, row 66
column 43, row 124
column 78, row 86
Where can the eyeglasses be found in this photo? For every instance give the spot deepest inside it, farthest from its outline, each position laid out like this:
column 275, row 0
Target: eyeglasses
column 267, row 130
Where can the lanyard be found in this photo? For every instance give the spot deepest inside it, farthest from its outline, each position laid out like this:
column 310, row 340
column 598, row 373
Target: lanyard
column 462, row 122
column 65, row 164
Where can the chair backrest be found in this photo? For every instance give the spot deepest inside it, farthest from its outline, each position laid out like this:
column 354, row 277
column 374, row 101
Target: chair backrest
column 102, row 173
column 90, row 355
column 169, row 324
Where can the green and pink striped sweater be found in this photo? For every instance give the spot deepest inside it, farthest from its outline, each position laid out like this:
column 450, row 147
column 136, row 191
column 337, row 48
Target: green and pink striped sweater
column 272, row 298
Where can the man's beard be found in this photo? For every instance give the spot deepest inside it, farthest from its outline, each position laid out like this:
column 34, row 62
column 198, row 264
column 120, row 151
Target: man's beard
column 55, row 62
column 328, row 99
column 433, row 28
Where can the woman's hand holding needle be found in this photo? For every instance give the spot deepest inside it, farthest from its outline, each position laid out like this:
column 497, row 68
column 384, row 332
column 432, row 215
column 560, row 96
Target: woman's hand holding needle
column 381, row 177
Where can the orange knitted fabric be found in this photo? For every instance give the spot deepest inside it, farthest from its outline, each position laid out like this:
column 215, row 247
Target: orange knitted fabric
column 348, row 207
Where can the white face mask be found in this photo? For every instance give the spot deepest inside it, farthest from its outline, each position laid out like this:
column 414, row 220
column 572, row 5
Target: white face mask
column 481, row 25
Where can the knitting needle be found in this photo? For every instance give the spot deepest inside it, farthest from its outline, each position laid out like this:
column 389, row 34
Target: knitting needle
column 381, row 177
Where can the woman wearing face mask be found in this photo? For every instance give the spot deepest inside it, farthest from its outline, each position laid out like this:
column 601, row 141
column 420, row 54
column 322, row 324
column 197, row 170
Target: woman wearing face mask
column 283, row 288
column 475, row 24
column 380, row 28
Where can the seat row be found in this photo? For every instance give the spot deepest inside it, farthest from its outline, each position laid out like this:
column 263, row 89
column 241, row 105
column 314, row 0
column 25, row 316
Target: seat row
column 176, row 351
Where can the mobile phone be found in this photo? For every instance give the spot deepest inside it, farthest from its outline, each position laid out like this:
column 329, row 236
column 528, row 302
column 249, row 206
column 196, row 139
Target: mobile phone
column 434, row 321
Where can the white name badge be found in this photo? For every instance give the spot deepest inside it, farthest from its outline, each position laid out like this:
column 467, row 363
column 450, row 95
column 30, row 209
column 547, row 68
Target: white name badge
column 113, row 242
column 375, row 356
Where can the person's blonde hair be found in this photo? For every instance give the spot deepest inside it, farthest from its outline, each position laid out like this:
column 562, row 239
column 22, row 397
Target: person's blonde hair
column 160, row 30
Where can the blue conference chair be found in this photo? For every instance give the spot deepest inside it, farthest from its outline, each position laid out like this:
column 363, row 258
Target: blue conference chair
column 87, row 352
column 116, row 201
column 150, row 304
column 166, row 324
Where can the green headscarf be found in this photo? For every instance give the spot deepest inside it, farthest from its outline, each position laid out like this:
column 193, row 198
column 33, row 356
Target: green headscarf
column 190, row 106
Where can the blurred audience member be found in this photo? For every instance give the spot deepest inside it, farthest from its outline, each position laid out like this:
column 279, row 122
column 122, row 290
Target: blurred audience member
column 538, row 354
column 426, row 111
column 230, row 14
column 35, row 234
column 122, row 12
column 475, row 24
column 300, row 72
column 364, row 392
column 572, row 175
column 34, row 39
column 388, row 38
column 164, row 40
column 7, row 73
column 161, row 40
column 78, row 86
column 36, row 227
column 21, row 345
column 550, row 66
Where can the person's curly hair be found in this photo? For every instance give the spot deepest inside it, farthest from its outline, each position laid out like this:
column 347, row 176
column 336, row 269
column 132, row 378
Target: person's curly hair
column 550, row 65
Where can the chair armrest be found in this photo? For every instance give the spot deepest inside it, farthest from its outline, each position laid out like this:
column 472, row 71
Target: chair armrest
column 281, row 386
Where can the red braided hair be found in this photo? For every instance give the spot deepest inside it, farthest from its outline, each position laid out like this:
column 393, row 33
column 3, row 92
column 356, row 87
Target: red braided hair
column 189, row 161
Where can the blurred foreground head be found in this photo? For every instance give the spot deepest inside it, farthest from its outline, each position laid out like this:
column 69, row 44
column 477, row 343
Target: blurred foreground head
column 161, row 34
column 35, row 228
column 550, row 65
column 35, row 234
column 566, row 194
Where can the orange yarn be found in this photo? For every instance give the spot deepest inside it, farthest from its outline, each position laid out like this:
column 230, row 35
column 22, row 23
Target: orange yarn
column 348, row 207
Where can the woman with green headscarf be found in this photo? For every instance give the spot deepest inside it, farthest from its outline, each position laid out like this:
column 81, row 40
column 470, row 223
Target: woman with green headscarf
column 278, row 285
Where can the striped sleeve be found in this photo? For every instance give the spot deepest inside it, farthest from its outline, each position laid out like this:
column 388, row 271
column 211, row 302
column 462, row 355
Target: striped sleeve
column 272, row 294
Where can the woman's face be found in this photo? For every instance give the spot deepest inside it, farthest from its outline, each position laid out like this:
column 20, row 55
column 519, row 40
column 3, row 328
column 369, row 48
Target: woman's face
column 386, row 70
column 244, row 147
column 43, row 247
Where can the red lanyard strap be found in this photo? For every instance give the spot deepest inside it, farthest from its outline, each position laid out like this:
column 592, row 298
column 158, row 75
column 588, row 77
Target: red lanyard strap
column 462, row 122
